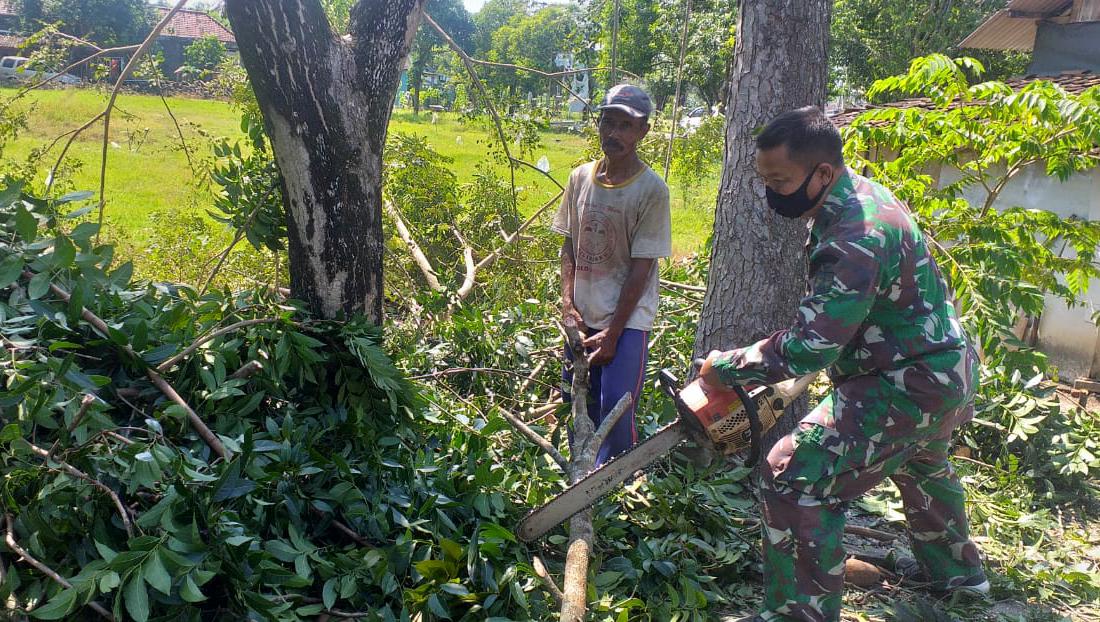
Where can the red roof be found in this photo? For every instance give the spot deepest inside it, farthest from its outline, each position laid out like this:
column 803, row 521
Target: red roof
column 189, row 24
column 1074, row 82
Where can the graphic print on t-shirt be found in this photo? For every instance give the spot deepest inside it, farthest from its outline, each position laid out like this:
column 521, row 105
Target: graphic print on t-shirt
column 597, row 239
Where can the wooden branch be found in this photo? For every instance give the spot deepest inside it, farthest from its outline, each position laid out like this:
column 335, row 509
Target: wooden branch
column 683, row 286
column 581, row 536
column 491, row 257
column 867, row 532
column 85, row 403
column 531, row 378
column 175, row 122
column 451, row 371
column 539, row 171
column 547, row 581
column 9, row 538
column 349, row 532
column 247, row 370
column 612, row 418
column 197, row 423
column 99, row 52
column 126, row 71
column 236, row 237
column 471, row 268
column 77, row 473
column 419, row 258
column 166, row 365
column 537, row 439
column 52, row 177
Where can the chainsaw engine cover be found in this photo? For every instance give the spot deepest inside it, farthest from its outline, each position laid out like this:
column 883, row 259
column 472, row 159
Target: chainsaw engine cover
column 722, row 416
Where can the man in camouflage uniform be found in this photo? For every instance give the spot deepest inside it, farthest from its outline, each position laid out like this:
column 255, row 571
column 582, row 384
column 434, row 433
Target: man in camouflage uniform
column 879, row 316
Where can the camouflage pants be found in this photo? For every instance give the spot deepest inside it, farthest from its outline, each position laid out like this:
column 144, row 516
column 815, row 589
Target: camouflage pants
column 863, row 432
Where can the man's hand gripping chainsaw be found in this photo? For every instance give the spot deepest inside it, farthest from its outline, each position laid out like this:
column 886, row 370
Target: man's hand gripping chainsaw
column 727, row 421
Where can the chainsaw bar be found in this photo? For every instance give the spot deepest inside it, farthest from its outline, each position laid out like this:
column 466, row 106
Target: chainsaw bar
column 600, row 482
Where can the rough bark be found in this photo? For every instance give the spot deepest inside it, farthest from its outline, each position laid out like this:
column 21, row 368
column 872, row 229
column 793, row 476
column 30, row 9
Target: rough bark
column 757, row 270
column 326, row 102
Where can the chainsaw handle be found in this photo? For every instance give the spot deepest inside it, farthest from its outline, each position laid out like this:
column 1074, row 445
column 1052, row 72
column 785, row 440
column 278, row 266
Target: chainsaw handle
column 755, row 427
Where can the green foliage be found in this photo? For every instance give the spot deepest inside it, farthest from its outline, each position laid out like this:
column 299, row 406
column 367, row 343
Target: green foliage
column 698, row 154
column 104, row 22
column 249, row 197
column 203, row 55
column 951, row 164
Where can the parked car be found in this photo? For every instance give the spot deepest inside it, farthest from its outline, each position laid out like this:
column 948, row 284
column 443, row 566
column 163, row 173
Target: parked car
column 694, row 118
column 11, row 71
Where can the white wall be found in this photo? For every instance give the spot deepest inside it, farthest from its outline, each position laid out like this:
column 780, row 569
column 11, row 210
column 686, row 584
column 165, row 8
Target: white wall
column 1067, row 336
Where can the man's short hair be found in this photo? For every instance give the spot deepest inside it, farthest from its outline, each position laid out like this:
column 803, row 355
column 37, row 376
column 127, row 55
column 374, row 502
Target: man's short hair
column 810, row 137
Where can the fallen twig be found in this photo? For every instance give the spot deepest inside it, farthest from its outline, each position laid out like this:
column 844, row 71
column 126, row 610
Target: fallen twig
column 867, row 532
column 75, row 472
column 417, row 253
column 85, row 403
column 537, row 439
column 9, row 538
column 168, row 364
column 247, row 370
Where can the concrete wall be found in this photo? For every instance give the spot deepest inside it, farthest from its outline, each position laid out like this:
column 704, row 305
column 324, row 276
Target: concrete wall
column 1067, row 336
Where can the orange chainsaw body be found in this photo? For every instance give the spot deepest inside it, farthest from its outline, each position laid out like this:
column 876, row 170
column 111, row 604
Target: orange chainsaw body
column 721, row 416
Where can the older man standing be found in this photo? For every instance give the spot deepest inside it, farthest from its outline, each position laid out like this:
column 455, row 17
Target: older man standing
column 879, row 316
column 615, row 217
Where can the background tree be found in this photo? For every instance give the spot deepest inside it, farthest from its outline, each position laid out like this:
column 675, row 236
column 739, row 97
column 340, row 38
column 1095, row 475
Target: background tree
column 104, row 22
column 708, row 52
column 204, row 54
column 533, row 41
column 874, row 39
column 326, row 102
column 757, row 270
column 453, row 17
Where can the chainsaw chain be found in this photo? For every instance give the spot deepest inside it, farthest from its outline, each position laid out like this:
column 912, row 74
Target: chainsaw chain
column 646, row 469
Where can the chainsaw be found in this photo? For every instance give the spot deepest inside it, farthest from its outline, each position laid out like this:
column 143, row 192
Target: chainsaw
column 726, row 421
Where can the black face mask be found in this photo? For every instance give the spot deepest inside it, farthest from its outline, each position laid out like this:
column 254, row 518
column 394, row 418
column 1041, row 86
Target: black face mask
column 796, row 203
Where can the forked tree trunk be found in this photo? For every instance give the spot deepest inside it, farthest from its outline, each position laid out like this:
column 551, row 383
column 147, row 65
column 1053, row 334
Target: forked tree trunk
column 757, row 271
column 326, row 102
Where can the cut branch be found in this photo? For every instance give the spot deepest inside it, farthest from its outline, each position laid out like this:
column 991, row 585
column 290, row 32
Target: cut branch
column 9, row 538
column 417, row 253
column 609, row 422
column 548, row 581
column 537, row 439
column 197, row 423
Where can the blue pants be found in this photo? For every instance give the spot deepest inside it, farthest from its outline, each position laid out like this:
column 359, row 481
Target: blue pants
column 608, row 383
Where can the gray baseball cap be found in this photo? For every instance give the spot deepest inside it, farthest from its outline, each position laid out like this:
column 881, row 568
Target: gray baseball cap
column 628, row 98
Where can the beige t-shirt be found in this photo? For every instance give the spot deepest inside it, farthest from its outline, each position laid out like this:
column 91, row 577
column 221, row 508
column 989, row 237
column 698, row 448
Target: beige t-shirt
column 609, row 226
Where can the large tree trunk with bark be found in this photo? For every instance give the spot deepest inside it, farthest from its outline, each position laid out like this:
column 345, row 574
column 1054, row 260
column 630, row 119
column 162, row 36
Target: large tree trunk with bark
column 757, row 270
column 326, row 102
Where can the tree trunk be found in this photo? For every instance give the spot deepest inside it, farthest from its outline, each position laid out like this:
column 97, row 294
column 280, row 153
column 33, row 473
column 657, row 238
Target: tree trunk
column 326, row 103
column 758, row 265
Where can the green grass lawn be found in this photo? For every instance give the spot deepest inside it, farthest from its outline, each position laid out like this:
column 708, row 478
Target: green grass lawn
column 148, row 171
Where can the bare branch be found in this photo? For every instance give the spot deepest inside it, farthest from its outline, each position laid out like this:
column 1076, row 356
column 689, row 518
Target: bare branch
column 469, row 62
column 9, row 538
column 531, row 378
column 471, row 268
column 126, row 71
column 417, row 253
column 683, row 286
column 247, row 370
column 537, row 439
column 610, row 420
column 166, row 365
column 491, row 257
column 240, row 232
column 85, row 403
column 451, row 371
column 547, row 580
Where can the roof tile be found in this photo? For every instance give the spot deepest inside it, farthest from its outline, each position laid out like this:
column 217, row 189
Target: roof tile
column 191, row 24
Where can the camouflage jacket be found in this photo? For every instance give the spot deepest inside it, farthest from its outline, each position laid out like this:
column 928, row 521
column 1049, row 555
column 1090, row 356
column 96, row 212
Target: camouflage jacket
column 877, row 302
